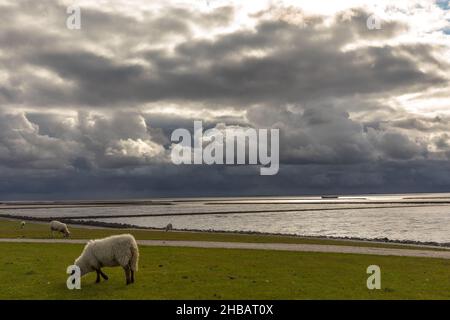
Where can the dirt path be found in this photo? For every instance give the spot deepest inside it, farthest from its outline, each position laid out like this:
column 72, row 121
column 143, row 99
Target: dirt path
column 266, row 246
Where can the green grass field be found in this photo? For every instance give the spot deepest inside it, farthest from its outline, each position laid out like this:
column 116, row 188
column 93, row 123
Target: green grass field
column 37, row 271
column 11, row 229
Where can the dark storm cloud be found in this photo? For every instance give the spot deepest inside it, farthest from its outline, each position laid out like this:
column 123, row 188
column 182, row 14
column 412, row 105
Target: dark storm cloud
column 97, row 78
column 298, row 63
column 21, row 145
column 82, row 113
column 83, row 141
column 172, row 181
column 328, row 135
column 434, row 124
column 219, row 70
column 52, row 46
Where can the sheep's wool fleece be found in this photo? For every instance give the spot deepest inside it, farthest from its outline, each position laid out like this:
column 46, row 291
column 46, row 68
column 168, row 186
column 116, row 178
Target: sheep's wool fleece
column 109, row 252
column 59, row 226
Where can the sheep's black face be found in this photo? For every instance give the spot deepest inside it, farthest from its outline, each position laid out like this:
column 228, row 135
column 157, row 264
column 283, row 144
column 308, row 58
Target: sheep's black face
column 83, row 269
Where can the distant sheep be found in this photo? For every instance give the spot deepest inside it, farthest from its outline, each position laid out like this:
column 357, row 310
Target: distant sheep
column 169, row 227
column 119, row 250
column 59, row 227
column 22, row 225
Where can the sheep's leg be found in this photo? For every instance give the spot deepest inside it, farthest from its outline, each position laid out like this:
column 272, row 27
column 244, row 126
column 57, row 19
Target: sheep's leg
column 131, row 272
column 98, row 276
column 104, row 276
column 127, row 274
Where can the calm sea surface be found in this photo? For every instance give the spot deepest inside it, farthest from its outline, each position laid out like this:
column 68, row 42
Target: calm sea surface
column 397, row 217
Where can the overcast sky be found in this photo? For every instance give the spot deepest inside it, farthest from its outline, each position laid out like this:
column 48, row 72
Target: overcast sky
column 88, row 113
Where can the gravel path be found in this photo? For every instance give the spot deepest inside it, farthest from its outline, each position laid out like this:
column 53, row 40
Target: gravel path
column 267, row 246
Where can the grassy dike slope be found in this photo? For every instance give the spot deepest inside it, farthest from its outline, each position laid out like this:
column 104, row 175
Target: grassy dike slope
column 11, row 229
column 37, row 271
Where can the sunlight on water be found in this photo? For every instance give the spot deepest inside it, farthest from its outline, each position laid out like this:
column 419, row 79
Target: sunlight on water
column 397, row 217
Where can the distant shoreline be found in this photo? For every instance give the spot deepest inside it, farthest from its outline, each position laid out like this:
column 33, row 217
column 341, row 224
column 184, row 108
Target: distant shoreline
column 405, row 203
column 425, row 197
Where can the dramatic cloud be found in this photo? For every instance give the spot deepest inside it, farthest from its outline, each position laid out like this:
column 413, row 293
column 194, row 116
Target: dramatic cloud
column 359, row 109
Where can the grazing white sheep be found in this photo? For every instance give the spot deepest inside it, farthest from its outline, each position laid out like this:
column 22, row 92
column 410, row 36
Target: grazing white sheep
column 169, row 227
column 59, row 227
column 22, row 224
column 120, row 250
